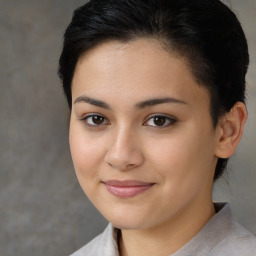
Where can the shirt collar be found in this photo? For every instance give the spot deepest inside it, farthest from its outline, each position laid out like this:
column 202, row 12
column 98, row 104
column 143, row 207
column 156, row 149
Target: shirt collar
column 204, row 240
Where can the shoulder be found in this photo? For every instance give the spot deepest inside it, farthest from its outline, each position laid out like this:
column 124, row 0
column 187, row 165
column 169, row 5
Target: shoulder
column 104, row 244
column 238, row 242
column 221, row 236
column 89, row 249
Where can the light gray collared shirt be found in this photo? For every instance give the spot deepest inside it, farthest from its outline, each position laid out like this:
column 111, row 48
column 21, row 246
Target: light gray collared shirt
column 221, row 236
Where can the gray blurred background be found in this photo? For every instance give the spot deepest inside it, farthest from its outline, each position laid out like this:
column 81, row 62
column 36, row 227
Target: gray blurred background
column 43, row 211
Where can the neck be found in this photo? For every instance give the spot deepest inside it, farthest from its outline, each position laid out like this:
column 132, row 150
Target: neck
column 167, row 238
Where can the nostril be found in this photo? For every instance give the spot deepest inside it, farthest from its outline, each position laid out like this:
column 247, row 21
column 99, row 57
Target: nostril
column 131, row 165
column 121, row 166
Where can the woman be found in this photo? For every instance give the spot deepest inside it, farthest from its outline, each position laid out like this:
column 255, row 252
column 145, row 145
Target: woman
column 156, row 90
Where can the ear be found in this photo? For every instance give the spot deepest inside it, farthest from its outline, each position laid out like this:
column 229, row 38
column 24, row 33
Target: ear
column 230, row 130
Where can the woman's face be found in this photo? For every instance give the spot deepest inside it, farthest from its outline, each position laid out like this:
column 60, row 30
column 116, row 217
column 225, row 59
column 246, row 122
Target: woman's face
column 141, row 134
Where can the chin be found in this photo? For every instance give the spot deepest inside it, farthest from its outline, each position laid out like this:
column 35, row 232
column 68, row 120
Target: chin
column 126, row 225
column 126, row 220
column 129, row 221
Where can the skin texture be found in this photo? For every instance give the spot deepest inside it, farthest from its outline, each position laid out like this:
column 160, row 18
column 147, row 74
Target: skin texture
column 177, row 158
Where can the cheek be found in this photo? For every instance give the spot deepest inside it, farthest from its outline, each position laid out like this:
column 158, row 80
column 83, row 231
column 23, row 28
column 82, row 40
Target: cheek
column 86, row 154
column 186, row 158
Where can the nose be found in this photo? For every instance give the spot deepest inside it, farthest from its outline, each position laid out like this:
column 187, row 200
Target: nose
column 124, row 151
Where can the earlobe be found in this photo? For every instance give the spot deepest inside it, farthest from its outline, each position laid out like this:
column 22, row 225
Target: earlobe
column 230, row 130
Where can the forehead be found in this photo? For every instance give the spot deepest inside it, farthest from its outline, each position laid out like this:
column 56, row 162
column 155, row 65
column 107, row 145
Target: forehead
column 142, row 67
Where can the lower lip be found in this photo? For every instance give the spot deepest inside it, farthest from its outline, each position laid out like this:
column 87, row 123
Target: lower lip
column 127, row 191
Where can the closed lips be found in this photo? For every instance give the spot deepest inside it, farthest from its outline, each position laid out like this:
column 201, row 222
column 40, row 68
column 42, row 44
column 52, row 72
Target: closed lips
column 125, row 189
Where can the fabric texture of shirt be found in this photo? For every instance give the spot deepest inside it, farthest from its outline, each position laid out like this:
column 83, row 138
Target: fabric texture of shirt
column 221, row 236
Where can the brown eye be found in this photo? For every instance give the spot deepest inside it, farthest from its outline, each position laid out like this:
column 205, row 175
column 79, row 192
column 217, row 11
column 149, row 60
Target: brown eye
column 98, row 119
column 159, row 121
column 95, row 120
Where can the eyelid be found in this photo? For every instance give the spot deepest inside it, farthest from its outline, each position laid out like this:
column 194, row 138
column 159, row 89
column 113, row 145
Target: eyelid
column 167, row 116
column 87, row 116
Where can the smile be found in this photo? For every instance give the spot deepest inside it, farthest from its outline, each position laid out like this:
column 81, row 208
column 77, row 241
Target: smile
column 125, row 189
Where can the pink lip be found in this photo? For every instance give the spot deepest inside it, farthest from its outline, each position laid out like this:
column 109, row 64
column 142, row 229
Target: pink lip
column 127, row 188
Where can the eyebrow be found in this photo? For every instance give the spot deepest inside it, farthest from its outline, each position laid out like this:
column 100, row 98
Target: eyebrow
column 98, row 103
column 140, row 105
column 153, row 102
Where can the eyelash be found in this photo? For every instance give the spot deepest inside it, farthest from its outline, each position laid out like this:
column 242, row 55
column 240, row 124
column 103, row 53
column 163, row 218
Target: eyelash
column 91, row 115
column 167, row 120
